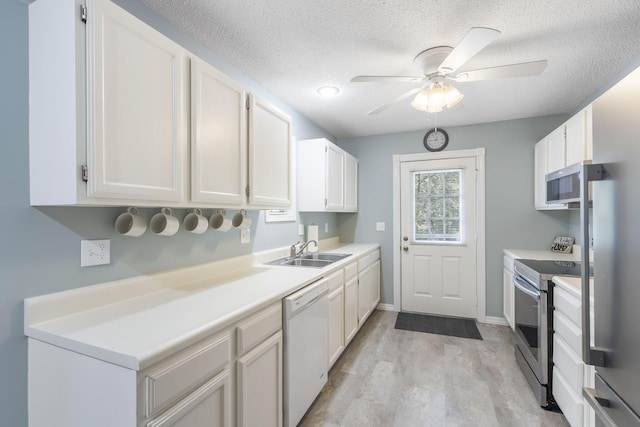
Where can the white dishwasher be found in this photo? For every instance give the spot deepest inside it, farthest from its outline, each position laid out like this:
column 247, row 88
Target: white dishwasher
column 306, row 335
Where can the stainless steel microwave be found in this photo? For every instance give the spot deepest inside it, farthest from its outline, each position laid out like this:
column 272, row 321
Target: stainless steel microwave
column 563, row 185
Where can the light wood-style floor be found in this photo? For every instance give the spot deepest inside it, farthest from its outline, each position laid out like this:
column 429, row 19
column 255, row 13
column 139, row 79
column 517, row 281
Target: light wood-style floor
column 389, row 377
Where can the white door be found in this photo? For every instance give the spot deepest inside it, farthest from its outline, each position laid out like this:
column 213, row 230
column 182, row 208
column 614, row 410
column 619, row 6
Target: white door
column 438, row 229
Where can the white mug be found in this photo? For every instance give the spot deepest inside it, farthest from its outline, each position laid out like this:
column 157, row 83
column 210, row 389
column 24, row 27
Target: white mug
column 219, row 222
column 241, row 220
column 130, row 223
column 164, row 223
column 195, row 222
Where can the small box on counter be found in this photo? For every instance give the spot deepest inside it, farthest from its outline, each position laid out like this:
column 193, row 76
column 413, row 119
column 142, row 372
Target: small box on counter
column 562, row 244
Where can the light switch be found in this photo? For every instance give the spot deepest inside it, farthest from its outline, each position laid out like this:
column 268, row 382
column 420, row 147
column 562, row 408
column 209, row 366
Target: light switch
column 326, row 227
column 95, row 252
column 300, row 229
column 380, row 226
column 245, row 236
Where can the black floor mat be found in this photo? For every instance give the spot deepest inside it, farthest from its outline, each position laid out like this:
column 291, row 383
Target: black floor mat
column 452, row 326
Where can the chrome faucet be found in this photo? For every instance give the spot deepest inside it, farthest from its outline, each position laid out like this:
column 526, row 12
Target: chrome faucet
column 293, row 252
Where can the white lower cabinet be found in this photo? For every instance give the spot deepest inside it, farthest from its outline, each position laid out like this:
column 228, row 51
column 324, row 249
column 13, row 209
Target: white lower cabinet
column 350, row 308
column 260, row 385
column 570, row 374
column 364, row 288
column 375, row 279
column 191, row 388
column 336, row 315
column 507, row 291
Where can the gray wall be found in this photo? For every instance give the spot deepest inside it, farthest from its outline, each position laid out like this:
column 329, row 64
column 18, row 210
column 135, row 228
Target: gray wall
column 511, row 220
column 40, row 247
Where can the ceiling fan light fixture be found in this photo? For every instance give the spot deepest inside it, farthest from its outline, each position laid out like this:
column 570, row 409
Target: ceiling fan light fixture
column 435, row 97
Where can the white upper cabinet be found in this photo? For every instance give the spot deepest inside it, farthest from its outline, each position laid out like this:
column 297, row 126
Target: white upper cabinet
column 218, row 138
column 136, row 130
column 334, row 176
column 111, row 101
column 269, row 156
column 108, row 108
column 327, row 177
column 568, row 144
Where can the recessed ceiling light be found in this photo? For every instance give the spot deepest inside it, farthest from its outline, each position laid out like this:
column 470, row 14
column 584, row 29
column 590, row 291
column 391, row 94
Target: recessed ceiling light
column 328, row 91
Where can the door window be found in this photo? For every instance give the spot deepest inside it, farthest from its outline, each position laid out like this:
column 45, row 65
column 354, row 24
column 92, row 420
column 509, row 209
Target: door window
column 437, row 206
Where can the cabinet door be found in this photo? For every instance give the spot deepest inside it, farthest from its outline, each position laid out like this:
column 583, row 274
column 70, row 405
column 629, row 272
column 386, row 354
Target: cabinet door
column 136, row 108
column 364, row 294
column 350, row 183
column 336, row 324
column 507, row 297
column 218, row 137
column 350, row 309
column 576, row 139
column 334, row 177
column 260, row 385
column 375, row 284
column 208, row 406
column 269, row 156
column 556, row 150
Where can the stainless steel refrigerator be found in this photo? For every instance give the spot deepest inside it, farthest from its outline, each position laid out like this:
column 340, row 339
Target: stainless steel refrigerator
column 615, row 349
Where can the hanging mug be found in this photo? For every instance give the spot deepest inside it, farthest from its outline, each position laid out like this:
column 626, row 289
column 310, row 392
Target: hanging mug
column 164, row 223
column 130, row 223
column 219, row 222
column 241, row 220
column 195, row 222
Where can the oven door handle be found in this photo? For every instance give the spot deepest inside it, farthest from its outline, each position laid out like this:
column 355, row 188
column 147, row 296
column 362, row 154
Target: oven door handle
column 520, row 284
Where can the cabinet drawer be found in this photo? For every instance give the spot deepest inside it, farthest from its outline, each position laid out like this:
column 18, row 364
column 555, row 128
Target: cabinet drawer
column 335, row 280
column 567, row 304
column 568, row 364
column 375, row 255
column 363, row 263
column 179, row 374
column 212, row 402
column 568, row 400
column 259, row 327
column 565, row 328
column 350, row 271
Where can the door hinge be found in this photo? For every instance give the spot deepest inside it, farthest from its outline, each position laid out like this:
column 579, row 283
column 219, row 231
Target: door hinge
column 326, row 203
column 85, row 173
column 83, row 13
column 248, row 191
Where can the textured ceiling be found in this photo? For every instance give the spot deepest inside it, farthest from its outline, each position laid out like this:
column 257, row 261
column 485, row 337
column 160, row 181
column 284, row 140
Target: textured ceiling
column 292, row 47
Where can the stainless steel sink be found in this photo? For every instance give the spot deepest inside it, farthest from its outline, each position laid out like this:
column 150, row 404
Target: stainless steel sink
column 317, row 260
column 324, row 256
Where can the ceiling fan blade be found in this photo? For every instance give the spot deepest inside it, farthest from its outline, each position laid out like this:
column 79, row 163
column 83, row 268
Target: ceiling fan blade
column 387, row 79
column 473, row 42
column 525, row 69
column 395, row 101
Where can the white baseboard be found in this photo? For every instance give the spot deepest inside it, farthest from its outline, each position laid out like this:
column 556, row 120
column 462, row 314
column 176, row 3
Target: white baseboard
column 386, row 307
column 494, row 320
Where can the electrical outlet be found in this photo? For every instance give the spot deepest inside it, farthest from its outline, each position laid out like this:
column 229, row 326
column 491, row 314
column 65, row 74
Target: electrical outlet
column 95, row 252
column 380, row 226
column 300, row 229
column 326, row 227
column 245, row 235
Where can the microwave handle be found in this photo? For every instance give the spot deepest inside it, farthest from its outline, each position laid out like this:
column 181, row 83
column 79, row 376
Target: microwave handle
column 590, row 355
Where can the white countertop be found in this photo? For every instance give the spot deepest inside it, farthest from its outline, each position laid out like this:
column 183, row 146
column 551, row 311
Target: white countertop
column 544, row 254
column 139, row 321
column 573, row 285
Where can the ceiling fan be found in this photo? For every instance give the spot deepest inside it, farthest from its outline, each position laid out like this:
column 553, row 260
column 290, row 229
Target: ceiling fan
column 439, row 65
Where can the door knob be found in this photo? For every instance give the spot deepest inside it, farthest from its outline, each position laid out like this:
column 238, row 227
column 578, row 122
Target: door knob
column 406, row 249
column 405, row 238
